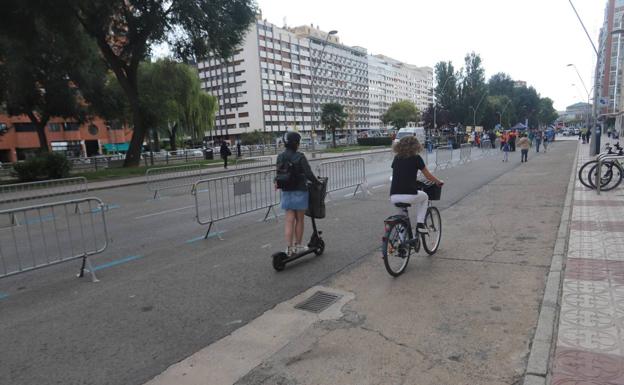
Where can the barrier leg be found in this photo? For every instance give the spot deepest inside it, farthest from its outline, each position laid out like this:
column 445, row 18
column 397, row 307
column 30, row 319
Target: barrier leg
column 218, row 233
column 272, row 208
column 86, row 261
column 156, row 194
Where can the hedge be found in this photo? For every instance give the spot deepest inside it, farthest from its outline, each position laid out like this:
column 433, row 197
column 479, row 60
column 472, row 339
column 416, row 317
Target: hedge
column 376, row 141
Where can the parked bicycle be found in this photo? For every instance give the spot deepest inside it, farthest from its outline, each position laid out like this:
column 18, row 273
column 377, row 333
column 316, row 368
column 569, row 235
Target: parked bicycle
column 611, row 172
column 399, row 240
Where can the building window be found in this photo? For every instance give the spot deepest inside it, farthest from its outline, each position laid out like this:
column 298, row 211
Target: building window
column 25, row 127
column 244, row 125
column 72, row 126
column 55, row 127
column 243, row 114
column 93, row 129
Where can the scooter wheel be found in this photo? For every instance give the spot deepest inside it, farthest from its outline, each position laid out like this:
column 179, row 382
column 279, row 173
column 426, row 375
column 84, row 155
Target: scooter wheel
column 320, row 247
column 279, row 261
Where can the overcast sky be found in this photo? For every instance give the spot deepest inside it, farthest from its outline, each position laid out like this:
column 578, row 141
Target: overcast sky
column 532, row 40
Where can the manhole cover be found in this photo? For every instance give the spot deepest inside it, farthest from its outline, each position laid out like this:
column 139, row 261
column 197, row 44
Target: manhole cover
column 318, row 302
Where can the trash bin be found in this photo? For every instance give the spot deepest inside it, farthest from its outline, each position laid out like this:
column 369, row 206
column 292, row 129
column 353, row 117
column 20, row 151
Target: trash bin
column 209, row 154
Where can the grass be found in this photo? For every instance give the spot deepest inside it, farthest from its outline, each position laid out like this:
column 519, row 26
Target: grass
column 340, row 150
column 123, row 172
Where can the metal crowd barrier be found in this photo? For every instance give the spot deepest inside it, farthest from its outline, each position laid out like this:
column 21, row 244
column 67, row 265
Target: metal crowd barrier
column 486, row 147
column 52, row 233
column 343, row 174
column 444, row 156
column 242, row 163
column 229, row 196
column 465, row 153
column 11, row 193
column 172, row 177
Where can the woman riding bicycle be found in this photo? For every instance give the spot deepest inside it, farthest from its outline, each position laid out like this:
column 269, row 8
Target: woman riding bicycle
column 405, row 187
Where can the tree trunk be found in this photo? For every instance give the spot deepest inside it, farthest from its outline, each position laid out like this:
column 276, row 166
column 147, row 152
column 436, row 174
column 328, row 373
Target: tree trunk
column 40, row 125
column 172, row 137
column 333, row 130
column 133, row 157
column 156, row 140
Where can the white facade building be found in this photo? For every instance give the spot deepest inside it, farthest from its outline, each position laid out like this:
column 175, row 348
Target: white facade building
column 279, row 78
column 391, row 81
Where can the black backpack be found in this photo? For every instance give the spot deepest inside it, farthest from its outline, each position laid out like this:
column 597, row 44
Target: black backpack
column 286, row 177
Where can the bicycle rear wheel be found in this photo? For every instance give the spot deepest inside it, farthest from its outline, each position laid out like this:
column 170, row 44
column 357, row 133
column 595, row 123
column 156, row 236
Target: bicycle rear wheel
column 395, row 252
column 433, row 221
column 610, row 177
column 583, row 173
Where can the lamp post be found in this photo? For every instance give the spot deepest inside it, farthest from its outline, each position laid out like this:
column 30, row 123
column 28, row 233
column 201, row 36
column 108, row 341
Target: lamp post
column 500, row 114
column 588, row 96
column 474, row 125
column 314, row 69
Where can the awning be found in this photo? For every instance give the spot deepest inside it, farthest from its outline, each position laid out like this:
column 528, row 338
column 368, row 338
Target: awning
column 116, row 147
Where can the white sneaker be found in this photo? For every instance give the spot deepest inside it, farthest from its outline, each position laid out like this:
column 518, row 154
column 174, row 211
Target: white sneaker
column 290, row 250
column 301, row 249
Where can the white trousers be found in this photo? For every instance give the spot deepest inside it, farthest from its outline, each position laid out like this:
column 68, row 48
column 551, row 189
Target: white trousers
column 419, row 203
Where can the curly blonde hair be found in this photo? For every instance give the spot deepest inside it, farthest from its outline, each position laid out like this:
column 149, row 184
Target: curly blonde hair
column 407, row 147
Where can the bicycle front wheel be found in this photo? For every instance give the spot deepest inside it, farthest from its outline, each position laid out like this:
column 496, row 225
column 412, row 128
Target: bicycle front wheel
column 395, row 252
column 433, row 221
column 583, row 174
column 610, row 177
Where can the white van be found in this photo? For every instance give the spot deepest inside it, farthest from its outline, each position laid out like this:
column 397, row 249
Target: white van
column 418, row 132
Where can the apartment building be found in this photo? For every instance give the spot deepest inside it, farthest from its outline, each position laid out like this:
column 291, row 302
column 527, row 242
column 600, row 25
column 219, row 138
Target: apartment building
column 340, row 75
column 19, row 139
column 266, row 86
column 280, row 77
column 390, row 81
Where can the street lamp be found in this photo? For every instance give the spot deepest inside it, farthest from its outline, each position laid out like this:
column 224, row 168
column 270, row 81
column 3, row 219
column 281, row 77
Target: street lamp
column 314, row 69
column 474, row 125
column 588, row 98
column 500, row 114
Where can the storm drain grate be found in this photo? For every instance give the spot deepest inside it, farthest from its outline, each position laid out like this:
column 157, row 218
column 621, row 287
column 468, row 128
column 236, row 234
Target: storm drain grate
column 318, row 302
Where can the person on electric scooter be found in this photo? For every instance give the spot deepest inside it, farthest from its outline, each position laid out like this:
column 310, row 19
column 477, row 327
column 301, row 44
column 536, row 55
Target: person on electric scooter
column 293, row 167
column 405, row 187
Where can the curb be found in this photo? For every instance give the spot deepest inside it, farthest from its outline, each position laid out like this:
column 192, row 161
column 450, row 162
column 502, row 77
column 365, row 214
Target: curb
column 543, row 344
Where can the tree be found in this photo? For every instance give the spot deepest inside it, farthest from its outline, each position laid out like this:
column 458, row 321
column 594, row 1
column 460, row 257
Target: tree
column 446, row 86
column 501, row 84
column 124, row 31
column 44, row 73
column 547, row 113
column 401, row 113
column 333, row 116
column 473, row 89
column 255, row 137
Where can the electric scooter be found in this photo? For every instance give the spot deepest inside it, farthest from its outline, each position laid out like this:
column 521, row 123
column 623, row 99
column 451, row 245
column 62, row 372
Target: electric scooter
column 317, row 244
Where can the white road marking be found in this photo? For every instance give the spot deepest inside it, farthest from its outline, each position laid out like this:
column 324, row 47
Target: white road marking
column 378, row 186
column 164, row 212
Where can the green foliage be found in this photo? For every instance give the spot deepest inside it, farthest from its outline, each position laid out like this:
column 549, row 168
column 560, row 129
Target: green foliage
column 333, row 116
column 47, row 67
column 376, row 141
column 401, row 113
column 255, row 137
column 446, row 91
column 473, row 89
column 51, row 165
column 547, row 113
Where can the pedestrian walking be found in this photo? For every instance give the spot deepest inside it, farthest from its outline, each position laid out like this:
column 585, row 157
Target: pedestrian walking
column 504, row 139
column 524, row 143
column 238, row 149
column 493, row 139
column 225, row 152
column 293, row 173
column 506, row 148
column 512, row 141
column 545, row 143
column 538, row 140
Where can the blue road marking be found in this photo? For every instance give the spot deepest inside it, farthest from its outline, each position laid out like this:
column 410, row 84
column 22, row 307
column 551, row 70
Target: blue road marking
column 3, row 296
column 107, row 208
column 211, row 235
column 44, row 218
column 117, row 262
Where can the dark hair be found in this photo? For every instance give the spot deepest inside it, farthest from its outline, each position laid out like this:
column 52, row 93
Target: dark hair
column 292, row 140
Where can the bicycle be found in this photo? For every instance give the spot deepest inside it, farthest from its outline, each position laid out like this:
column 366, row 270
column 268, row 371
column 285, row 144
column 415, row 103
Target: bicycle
column 399, row 240
column 611, row 168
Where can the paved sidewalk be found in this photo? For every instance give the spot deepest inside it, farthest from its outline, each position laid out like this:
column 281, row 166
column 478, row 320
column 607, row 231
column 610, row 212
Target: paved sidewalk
column 590, row 342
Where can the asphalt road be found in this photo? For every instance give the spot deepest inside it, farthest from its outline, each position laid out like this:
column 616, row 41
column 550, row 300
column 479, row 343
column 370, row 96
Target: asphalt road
column 165, row 292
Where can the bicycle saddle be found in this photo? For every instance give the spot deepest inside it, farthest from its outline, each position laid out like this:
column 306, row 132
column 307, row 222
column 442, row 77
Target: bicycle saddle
column 402, row 205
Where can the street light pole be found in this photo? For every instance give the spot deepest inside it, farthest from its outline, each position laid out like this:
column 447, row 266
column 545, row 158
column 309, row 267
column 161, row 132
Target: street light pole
column 588, row 96
column 314, row 69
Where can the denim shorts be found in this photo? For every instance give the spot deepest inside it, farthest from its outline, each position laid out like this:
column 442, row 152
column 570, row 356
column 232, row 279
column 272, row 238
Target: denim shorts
column 295, row 200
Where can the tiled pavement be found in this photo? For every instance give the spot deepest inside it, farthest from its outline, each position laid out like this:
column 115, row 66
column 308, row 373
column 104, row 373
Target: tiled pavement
column 590, row 342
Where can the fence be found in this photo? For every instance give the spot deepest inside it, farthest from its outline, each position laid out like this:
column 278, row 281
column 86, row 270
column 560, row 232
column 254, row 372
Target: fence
column 343, row 174
column 229, row 196
column 11, row 193
column 263, row 161
column 444, row 156
column 465, row 153
column 172, row 177
column 50, row 234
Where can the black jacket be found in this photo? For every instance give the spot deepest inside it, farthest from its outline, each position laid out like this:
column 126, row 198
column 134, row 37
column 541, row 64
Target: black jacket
column 225, row 151
column 302, row 167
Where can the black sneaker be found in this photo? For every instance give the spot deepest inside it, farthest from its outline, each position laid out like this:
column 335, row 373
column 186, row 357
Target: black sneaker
column 422, row 229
